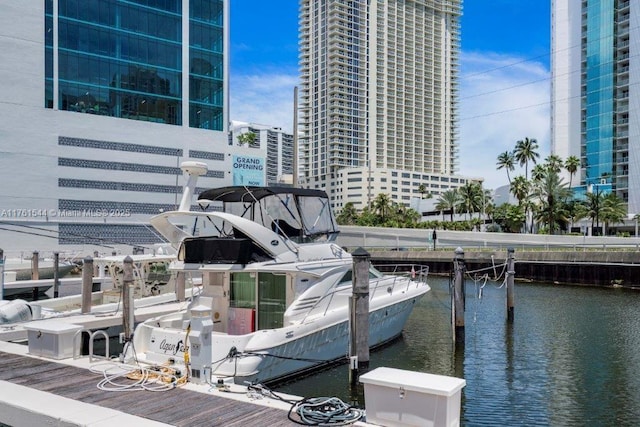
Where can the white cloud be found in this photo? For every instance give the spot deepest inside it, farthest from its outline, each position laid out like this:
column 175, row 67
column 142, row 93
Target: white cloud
column 497, row 108
column 265, row 99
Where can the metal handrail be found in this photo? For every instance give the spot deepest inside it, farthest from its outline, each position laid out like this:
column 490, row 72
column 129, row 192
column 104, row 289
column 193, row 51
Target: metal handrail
column 421, row 272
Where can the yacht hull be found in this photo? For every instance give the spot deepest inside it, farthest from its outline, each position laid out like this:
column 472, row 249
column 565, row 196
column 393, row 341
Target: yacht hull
column 272, row 355
column 325, row 346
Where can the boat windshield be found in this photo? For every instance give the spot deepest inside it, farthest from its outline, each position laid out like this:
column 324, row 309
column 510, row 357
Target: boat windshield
column 303, row 215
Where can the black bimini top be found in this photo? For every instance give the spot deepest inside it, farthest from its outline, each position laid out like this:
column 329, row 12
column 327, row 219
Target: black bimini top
column 240, row 193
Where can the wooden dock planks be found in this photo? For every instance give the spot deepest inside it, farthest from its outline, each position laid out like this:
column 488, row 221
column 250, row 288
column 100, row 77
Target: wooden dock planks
column 179, row 407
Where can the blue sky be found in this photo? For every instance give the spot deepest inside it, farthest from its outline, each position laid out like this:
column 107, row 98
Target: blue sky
column 504, row 74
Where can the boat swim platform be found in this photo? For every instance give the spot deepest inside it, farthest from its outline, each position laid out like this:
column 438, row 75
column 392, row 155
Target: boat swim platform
column 39, row 391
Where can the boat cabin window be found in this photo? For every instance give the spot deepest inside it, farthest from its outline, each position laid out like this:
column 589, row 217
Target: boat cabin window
column 266, row 294
column 243, row 290
column 272, row 300
column 348, row 276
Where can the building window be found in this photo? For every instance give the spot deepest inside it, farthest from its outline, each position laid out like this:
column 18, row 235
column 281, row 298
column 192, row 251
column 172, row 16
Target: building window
column 120, row 59
column 206, row 64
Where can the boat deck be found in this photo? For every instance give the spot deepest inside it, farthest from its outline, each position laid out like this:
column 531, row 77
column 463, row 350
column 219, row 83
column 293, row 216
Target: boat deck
column 178, row 407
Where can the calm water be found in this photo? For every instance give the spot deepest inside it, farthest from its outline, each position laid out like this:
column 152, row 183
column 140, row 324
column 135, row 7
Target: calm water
column 571, row 358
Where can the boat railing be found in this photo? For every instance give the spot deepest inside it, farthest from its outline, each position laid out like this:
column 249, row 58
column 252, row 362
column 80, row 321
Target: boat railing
column 400, row 272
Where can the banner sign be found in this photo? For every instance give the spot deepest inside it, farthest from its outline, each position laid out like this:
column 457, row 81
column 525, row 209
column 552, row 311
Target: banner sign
column 248, row 170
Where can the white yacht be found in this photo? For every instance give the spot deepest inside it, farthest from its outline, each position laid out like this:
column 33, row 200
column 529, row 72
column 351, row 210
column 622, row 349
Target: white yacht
column 276, row 287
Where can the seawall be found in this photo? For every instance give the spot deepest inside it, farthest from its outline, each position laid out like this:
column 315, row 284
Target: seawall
column 592, row 268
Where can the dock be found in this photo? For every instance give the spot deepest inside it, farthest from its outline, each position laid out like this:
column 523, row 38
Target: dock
column 95, row 320
column 37, row 391
column 27, row 287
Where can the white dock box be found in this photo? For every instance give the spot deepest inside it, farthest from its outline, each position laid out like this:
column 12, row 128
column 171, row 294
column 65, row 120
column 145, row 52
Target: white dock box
column 395, row 397
column 51, row 338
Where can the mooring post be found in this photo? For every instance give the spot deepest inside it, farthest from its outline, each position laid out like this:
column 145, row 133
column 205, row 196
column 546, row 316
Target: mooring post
column 35, row 273
column 128, row 319
column 87, row 284
column 510, row 278
column 359, row 314
column 96, row 267
column 458, row 295
column 56, row 274
column 180, row 284
column 1, row 274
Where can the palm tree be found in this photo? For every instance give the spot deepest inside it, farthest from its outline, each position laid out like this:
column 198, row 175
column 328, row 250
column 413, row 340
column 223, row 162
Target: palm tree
column 551, row 191
column 248, row 138
column 506, row 160
column 526, row 151
column 470, row 197
column 554, row 162
column 382, row 205
column 422, row 189
column 613, row 210
column 348, row 215
column 520, row 188
column 571, row 165
column 448, row 202
column 594, row 207
column 538, row 172
column 407, row 217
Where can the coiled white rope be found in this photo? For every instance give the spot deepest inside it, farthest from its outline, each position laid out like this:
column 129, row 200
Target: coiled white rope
column 118, row 377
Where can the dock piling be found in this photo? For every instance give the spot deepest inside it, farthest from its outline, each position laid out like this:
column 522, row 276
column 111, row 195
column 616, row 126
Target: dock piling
column 35, row 273
column 359, row 314
column 128, row 319
column 510, row 288
column 87, row 284
column 1, row 274
column 458, row 295
column 56, row 274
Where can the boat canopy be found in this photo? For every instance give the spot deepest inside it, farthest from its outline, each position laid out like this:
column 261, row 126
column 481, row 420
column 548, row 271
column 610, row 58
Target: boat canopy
column 301, row 214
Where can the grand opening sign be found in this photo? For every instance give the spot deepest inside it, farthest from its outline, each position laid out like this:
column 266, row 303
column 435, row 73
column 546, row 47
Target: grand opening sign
column 248, row 170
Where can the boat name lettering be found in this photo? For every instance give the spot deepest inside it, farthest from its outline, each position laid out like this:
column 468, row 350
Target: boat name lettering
column 173, row 348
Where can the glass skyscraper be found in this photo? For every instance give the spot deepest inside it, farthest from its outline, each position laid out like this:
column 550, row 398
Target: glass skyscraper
column 595, row 113
column 127, row 59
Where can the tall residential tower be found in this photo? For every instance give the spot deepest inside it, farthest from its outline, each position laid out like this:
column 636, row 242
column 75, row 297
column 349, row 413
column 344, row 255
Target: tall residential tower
column 595, row 93
column 378, row 100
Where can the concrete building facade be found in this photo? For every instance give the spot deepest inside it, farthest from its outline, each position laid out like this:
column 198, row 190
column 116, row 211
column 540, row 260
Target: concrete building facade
column 100, row 103
column 379, row 97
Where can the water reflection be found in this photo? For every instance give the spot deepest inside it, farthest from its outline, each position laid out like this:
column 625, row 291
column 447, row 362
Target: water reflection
column 570, row 357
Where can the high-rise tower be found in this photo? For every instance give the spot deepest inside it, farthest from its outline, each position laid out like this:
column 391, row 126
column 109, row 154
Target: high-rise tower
column 100, row 102
column 378, row 100
column 595, row 93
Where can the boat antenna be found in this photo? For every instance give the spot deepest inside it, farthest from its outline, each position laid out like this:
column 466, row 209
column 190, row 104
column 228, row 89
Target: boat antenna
column 194, row 170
